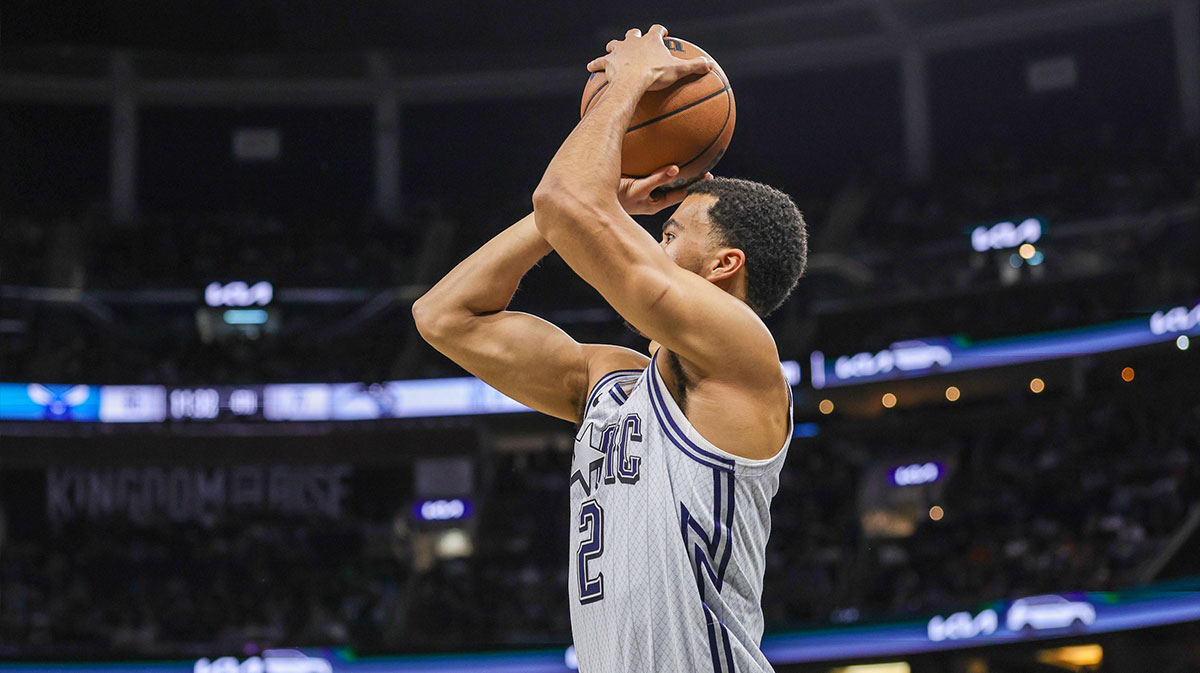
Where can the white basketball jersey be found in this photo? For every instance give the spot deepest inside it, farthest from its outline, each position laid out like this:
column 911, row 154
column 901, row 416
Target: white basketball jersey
column 668, row 537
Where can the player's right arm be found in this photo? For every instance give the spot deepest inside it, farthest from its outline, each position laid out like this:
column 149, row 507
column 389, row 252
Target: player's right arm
column 465, row 317
column 521, row 355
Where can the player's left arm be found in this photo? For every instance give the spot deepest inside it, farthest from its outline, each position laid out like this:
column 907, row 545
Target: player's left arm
column 579, row 214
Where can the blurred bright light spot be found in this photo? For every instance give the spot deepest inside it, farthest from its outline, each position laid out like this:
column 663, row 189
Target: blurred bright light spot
column 826, row 406
column 806, row 430
column 1014, row 260
column 245, row 316
column 1037, row 258
column 453, row 543
column 1073, row 657
column 936, row 513
column 891, row 667
column 1183, row 342
column 889, row 400
column 1026, row 251
column 1037, row 385
column 1127, row 374
column 953, row 393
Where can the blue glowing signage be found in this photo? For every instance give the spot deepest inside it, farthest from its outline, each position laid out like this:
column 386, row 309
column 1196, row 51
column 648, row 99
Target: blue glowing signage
column 939, row 355
column 1005, row 235
column 239, row 294
column 1027, row 619
column 916, row 474
column 469, row 396
column 245, row 316
column 49, row 402
column 450, row 509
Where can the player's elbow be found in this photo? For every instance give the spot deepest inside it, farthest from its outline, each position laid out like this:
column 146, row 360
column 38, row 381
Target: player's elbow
column 433, row 321
column 550, row 205
column 557, row 205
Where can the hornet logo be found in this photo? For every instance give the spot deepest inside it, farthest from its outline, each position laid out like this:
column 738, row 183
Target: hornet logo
column 56, row 406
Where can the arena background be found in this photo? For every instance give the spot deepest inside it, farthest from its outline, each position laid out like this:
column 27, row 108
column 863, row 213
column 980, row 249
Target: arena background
column 224, row 448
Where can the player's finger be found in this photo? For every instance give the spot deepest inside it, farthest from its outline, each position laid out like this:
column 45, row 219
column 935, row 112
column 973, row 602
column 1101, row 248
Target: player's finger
column 609, row 47
column 633, row 32
column 662, row 176
column 596, row 64
column 663, row 198
column 658, row 29
column 695, row 66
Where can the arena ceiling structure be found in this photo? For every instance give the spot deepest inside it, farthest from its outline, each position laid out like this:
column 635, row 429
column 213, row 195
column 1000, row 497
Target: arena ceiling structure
column 388, row 55
column 306, row 52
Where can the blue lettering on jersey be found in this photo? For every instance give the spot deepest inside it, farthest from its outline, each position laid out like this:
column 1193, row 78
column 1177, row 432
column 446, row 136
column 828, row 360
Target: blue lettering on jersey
column 617, row 453
column 613, row 461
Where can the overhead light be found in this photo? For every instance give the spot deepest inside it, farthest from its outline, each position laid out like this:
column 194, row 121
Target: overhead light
column 1037, row 385
column 1026, row 251
column 1183, row 342
column 889, row 400
column 953, row 393
column 936, row 513
column 1127, row 374
column 825, row 406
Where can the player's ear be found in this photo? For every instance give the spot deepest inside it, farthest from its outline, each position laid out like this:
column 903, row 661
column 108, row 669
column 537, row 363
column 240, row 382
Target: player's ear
column 724, row 263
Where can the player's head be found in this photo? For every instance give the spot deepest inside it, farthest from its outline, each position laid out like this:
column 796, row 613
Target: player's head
column 745, row 236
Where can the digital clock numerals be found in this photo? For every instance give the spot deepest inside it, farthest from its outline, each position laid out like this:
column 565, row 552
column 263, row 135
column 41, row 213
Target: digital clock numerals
column 196, row 403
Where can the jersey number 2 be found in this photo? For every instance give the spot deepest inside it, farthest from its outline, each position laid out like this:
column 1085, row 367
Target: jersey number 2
column 591, row 524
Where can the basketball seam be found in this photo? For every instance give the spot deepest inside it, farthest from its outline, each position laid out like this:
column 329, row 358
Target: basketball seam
column 679, row 109
column 728, row 111
column 724, row 124
column 587, row 108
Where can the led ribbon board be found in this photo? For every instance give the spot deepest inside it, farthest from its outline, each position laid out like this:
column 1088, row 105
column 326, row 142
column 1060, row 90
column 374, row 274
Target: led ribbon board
column 940, row 355
column 421, row 398
column 1034, row 618
column 468, row 396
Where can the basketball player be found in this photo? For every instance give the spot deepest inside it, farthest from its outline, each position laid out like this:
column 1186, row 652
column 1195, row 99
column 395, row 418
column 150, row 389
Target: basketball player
column 677, row 455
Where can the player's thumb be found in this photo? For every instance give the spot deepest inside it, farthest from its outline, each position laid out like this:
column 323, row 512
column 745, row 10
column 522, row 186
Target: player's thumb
column 696, row 66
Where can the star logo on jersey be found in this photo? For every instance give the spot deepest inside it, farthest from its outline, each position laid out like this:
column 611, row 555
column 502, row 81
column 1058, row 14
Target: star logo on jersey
column 586, row 466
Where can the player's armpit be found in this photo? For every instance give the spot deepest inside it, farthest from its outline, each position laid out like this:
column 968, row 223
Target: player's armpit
column 521, row 355
column 530, row 360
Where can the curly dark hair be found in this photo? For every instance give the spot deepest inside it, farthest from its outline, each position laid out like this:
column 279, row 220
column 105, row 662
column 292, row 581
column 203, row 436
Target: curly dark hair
column 764, row 223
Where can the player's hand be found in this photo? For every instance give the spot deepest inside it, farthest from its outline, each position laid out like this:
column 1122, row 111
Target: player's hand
column 648, row 195
column 647, row 57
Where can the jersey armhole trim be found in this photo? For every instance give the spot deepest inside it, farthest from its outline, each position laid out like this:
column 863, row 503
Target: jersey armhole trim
column 670, row 408
column 604, row 380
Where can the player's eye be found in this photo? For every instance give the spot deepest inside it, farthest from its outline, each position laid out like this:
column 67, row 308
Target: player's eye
column 668, row 237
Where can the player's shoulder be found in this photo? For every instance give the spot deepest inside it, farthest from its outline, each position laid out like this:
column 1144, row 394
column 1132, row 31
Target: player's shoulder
column 607, row 363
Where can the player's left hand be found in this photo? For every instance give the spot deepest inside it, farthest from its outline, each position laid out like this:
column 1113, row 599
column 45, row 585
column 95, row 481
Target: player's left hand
column 646, row 56
column 648, row 195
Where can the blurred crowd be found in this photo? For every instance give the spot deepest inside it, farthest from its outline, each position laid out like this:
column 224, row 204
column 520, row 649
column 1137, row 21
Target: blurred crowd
column 881, row 251
column 1079, row 495
column 235, row 586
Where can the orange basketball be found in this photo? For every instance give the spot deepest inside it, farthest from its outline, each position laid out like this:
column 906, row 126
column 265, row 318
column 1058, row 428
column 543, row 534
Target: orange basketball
column 688, row 124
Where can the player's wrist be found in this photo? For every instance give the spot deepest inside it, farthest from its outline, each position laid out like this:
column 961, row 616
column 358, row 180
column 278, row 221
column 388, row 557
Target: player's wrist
column 633, row 82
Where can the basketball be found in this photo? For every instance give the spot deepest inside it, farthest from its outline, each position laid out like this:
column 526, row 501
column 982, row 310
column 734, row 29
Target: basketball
column 688, row 124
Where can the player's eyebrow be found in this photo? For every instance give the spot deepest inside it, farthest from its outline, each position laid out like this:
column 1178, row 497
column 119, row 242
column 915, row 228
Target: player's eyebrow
column 671, row 223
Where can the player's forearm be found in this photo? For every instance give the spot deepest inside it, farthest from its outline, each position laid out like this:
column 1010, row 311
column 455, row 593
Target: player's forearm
column 485, row 282
column 585, row 173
